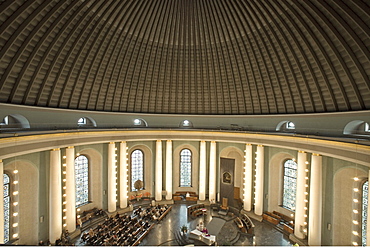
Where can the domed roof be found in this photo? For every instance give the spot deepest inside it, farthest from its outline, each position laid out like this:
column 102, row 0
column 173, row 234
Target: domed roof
column 186, row 56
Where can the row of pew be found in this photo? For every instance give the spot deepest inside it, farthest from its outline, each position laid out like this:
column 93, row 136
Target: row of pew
column 277, row 218
column 245, row 224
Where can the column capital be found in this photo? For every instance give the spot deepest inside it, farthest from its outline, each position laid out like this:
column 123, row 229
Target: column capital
column 111, row 142
column 314, row 154
column 202, row 141
column 55, row 149
column 248, row 144
column 1, row 160
column 70, row 147
column 259, row 145
column 123, row 142
column 302, row 152
column 169, row 140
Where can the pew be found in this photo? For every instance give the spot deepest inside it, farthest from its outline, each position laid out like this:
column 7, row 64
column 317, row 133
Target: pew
column 270, row 219
column 195, row 210
column 247, row 223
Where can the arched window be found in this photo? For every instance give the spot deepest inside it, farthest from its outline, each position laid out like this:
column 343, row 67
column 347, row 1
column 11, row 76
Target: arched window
column 185, row 168
column 137, row 167
column 365, row 193
column 82, row 180
column 6, row 207
column 290, row 125
column 290, row 184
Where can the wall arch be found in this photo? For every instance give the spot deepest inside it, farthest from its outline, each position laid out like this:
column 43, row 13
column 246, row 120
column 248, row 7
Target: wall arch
column 15, row 121
column 237, row 154
column 276, row 166
column 356, row 127
column 148, row 167
column 194, row 170
column 28, row 207
column 342, row 208
column 95, row 174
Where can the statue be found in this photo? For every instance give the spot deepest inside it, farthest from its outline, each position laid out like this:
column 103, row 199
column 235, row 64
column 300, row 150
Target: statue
column 138, row 185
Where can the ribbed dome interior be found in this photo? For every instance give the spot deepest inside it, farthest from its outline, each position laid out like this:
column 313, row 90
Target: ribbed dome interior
column 186, row 56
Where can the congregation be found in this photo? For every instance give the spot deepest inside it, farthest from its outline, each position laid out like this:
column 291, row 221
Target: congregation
column 125, row 229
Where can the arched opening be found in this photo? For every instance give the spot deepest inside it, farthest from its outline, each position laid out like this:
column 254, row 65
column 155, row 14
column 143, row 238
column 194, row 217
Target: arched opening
column 15, row 121
column 86, row 122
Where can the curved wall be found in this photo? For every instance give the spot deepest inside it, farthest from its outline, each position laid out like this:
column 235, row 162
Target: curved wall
column 319, row 124
column 94, row 144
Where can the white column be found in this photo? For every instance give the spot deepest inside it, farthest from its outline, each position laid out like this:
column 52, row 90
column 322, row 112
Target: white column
column 158, row 171
column 248, row 178
column 70, row 189
column 258, row 209
column 202, row 171
column 55, row 196
column 112, row 197
column 212, row 172
column 1, row 203
column 315, row 220
column 123, row 175
column 368, row 220
column 300, row 203
column 169, row 170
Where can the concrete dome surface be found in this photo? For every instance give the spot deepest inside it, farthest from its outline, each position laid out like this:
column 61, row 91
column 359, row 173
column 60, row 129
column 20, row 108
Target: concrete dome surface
column 186, row 56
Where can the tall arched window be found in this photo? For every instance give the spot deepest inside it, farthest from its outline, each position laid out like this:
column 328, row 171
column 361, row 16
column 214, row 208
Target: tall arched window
column 185, row 168
column 137, row 167
column 6, row 207
column 365, row 193
column 290, row 184
column 82, row 180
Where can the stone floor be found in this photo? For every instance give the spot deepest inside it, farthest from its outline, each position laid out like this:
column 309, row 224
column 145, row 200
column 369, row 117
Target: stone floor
column 166, row 232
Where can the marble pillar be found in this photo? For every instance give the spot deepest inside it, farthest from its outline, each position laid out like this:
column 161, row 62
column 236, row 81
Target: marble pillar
column 248, row 178
column 112, row 190
column 212, row 172
column 258, row 209
column 55, row 196
column 300, row 196
column 202, row 171
column 315, row 211
column 169, row 170
column 123, row 175
column 158, row 171
column 70, row 189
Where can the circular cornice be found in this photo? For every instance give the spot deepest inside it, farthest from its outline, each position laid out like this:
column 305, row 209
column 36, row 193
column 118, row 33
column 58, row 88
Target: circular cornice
column 29, row 144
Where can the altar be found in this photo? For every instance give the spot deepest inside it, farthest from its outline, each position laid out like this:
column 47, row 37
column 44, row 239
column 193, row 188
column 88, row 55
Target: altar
column 198, row 235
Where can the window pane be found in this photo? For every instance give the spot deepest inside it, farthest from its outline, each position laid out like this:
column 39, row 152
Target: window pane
column 185, row 168
column 290, row 184
column 137, row 167
column 365, row 193
column 82, row 180
column 6, row 207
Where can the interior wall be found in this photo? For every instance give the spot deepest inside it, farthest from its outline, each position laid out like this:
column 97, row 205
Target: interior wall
column 235, row 153
column 275, row 178
column 343, row 204
column 149, row 162
column 176, row 167
column 95, row 176
column 28, row 200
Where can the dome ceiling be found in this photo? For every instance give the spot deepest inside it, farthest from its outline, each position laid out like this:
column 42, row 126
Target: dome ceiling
column 186, row 56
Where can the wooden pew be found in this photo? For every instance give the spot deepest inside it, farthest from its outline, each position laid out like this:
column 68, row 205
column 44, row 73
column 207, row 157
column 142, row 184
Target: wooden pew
column 240, row 224
column 195, row 208
column 285, row 218
column 270, row 219
column 247, row 223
